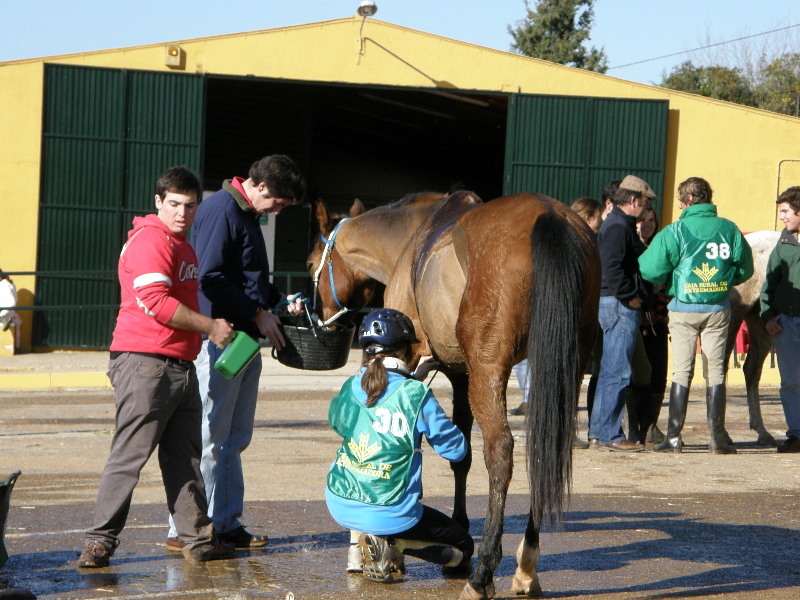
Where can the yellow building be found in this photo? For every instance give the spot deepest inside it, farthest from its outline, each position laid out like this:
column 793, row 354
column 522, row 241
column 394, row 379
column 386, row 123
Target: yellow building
column 372, row 113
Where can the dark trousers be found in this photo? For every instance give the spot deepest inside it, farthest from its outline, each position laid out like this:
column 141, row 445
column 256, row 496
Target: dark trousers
column 436, row 528
column 157, row 405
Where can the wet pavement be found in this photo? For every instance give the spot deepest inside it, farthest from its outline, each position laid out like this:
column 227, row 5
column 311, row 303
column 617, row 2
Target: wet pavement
column 644, row 525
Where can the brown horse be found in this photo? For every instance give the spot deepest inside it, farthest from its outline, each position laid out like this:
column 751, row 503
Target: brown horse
column 486, row 285
column 746, row 307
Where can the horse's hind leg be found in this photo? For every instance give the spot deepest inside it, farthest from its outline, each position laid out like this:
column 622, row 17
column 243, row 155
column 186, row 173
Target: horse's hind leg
column 487, row 401
column 760, row 342
column 462, row 418
column 526, row 580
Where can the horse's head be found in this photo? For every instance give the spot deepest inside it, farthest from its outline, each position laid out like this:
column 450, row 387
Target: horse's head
column 340, row 286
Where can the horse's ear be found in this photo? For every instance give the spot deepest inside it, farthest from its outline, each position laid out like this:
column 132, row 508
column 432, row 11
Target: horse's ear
column 357, row 208
column 323, row 217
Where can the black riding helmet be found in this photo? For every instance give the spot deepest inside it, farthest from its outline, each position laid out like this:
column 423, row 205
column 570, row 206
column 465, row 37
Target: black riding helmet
column 384, row 330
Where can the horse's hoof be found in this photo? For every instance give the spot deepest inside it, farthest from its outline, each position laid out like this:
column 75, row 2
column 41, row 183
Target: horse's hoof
column 470, row 593
column 525, row 585
column 765, row 440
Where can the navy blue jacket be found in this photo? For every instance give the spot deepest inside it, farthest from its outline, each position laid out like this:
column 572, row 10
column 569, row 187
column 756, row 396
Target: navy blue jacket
column 232, row 260
column 620, row 248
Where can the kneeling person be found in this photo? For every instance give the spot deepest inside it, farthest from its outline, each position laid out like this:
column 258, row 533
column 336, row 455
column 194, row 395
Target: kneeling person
column 375, row 484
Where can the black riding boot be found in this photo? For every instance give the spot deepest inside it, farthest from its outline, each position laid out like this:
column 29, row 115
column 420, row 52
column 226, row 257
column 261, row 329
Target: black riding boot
column 678, row 403
column 715, row 409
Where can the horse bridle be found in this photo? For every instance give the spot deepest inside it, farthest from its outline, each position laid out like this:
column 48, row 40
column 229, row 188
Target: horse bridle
column 327, row 252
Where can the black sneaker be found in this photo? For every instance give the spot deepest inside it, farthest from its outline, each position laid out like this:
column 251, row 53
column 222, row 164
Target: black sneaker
column 217, row 550
column 243, row 539
column 95, row 555
column 791, row 444
column 377, row 555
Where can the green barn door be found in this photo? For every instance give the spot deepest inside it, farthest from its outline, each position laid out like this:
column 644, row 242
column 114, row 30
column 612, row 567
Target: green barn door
column 107, row 135
column 572, row 146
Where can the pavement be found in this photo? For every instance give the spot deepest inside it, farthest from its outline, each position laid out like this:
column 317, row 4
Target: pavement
column 641, row 525
column 86, row 369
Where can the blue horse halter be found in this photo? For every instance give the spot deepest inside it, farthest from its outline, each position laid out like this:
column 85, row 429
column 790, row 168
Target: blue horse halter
column 328, row 253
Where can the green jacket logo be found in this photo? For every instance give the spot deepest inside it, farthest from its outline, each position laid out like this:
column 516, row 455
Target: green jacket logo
column 363, row 450
column 705, row 273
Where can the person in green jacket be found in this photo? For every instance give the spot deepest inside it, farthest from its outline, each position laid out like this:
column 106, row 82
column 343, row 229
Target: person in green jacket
column 780, row 311
column 699, row 258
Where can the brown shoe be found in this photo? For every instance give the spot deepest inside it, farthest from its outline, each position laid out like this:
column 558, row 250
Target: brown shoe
column 175, row 544
column 518, row 411
column 95, row 555
column 622, row 446
column 594, row 444
column 243, row 539
column 217, row 550
column 791, row 444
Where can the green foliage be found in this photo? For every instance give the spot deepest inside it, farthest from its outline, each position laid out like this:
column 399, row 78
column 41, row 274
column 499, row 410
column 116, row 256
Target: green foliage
column 556, row 31
column 774, row 86
column 722, row 83
column 780, row 86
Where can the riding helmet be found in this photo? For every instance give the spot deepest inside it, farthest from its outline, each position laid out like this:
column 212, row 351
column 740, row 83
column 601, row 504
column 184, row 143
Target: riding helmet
column 385, row 329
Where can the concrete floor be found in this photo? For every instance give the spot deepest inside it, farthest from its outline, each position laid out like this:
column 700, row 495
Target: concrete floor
column 643, row 525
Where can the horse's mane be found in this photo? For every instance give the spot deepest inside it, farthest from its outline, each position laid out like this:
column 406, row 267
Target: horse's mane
column 417, row 198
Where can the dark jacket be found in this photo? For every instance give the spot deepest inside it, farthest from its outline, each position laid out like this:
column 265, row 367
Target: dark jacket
column 620, row 248
column 781, row 291
column 232, row 257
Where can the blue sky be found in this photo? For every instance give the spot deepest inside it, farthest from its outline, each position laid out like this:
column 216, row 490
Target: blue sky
column 628, row 30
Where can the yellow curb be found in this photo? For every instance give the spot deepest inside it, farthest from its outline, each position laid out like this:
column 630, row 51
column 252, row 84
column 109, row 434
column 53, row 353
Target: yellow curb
column 44, row 381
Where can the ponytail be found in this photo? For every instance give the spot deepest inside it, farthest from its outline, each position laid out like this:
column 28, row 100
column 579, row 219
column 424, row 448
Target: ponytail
column 374, row 380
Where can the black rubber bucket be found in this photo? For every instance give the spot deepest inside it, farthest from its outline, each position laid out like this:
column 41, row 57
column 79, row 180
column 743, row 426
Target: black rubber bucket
column 315, row 348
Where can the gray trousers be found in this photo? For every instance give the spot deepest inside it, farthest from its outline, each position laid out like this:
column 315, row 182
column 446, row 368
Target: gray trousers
column 712, row 329
column 157, row 405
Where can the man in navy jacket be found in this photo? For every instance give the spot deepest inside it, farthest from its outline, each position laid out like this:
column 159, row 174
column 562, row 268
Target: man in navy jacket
column 235, row 285
column 621, row 296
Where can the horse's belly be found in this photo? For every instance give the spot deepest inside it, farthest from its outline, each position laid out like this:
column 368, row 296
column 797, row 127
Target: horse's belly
column 439, row 289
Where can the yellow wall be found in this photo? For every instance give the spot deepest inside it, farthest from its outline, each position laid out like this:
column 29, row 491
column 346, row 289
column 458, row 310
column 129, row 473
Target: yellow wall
column 20, row 132
column 737, row 149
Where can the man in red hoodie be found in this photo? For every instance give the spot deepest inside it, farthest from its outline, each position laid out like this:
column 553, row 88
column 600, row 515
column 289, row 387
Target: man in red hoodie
column 157, row 336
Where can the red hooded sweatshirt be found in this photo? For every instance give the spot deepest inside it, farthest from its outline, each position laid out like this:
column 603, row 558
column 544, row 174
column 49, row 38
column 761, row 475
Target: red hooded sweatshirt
column 157, row 270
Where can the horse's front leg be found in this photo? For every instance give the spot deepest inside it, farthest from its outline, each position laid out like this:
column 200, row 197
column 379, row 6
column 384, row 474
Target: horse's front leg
column 488, row 406
column 462, row 418
column 526, row 580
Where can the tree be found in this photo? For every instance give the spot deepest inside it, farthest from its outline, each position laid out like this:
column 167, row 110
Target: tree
column 722, row 83
column 556, row 31
column 754, row 70
column 780, row 87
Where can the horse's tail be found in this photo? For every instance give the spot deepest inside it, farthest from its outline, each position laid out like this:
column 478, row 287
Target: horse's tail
column 559, row 264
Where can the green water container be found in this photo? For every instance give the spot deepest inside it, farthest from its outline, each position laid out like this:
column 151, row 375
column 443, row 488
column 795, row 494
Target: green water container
column 237, row 355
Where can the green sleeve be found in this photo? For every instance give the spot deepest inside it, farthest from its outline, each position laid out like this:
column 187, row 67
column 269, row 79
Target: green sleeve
column 744, row 261
column 656, row 263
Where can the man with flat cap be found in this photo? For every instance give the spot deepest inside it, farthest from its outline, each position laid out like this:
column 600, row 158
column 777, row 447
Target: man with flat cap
column 622, row 295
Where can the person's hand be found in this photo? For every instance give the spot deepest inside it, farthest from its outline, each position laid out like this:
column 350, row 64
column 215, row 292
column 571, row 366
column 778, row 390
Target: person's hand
column 269, row 326
column 774, row 326
column 221, row 333
column 426, row 365
column 635, row 302
column 295, row 306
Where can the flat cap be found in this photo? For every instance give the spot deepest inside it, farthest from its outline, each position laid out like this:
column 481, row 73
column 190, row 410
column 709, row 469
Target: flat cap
column 636, row 184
